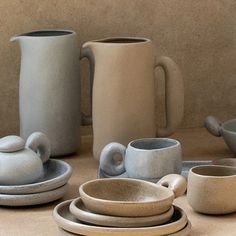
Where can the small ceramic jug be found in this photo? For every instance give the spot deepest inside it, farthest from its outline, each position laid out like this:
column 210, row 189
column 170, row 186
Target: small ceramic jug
column 123, row 99
column 22, row 163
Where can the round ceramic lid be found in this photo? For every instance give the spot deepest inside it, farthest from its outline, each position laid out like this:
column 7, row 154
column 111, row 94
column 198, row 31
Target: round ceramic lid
column 11, row 143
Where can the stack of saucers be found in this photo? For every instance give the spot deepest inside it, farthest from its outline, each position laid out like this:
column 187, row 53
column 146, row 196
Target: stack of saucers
column 52, row 186
column 27, row 175
column 123, row 207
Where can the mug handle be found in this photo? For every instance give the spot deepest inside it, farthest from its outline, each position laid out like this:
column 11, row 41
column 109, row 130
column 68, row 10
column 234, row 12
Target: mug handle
column 107, row 162
column 176, row 183
column 213, row 125
column 87, row 53
column 174, row 95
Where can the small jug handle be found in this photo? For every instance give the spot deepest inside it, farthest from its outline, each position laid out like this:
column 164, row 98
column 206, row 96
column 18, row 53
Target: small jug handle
column 87, row 53
column 176, row 183
column 107, row 162
column 213, row 125
column 40, row 144
column 174, row 95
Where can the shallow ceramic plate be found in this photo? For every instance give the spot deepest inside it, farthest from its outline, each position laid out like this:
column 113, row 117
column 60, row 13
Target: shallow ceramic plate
column 183, row 232
column 56, row 174
column 68, row 222
column 186, row 166
column 78, row 209
column 32, row 199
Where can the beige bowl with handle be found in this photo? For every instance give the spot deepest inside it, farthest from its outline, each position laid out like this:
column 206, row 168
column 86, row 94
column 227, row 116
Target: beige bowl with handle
column 130, row 197
column 212, row 189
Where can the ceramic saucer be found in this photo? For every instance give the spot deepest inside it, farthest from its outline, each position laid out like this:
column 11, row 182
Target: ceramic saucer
column 32, row 199
column 183, row 232
column 186, row 166
column 68, row 222
column 78, row 209
column 56, row 174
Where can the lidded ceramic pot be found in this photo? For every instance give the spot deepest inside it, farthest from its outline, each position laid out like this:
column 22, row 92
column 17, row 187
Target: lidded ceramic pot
column 22, row 163
column 123, row 98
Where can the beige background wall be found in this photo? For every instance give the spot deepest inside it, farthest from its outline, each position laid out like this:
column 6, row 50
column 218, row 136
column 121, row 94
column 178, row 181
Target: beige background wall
column 199, row 35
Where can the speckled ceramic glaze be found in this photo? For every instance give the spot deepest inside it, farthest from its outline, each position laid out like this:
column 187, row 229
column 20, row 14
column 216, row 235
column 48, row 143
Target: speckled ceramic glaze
column 68, row 222
column 149, row 158
column 212, row 189
column 78, row 209
column 130, row 197
column 226, row 129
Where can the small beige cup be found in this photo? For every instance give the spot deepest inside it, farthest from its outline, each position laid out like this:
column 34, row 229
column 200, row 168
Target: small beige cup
column 212, row 189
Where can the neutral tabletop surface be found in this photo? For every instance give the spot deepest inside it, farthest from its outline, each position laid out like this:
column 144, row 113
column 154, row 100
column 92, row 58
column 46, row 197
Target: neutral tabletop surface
column 197, row 144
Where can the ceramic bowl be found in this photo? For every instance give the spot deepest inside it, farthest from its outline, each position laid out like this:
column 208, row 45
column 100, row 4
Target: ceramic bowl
column 212, row 189
column 78, row 209
column 130, row 197
column 68, row 222
column 226, row 129
column 56, row 174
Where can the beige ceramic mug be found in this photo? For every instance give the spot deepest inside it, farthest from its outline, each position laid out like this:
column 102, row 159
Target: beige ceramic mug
column 212, row 189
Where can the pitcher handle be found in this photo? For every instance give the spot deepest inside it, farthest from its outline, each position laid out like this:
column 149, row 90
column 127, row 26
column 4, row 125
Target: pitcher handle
column 107, row 163
column 176, row 183
column 87, row 53
column 174, row 95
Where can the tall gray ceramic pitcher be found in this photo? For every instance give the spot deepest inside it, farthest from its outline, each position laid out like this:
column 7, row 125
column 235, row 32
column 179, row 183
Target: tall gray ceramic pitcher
column 50, row 87
column 124, row 92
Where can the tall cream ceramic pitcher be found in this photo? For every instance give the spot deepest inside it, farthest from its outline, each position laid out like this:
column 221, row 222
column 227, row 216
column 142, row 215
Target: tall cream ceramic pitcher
column 123, row 92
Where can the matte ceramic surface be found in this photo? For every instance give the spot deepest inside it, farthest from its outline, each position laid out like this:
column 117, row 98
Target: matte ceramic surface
column 56, row 174
column 34, row 198
column 227, row 130
column 78, row 209
column 50, row 87
column 11, row 143
column 186, row 166
column 183, row 232
column 149, row 158
column 212, row 189
column 225, row 162
column 125, row 66
column 130, row 197
column 25, row 165
column 68, row 222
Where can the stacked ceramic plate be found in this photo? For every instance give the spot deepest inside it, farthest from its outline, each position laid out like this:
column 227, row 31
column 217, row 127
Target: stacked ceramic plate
column 121, row 207
column 52, row 186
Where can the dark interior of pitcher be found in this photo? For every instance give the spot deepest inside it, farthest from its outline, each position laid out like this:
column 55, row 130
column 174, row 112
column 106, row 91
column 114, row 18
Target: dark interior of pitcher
column 47, row 33
column 150, row 144
column 122, row 40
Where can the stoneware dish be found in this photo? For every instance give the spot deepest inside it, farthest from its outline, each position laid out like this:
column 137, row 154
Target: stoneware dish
column 186, row 166
column 130, row 197
column 227, row 130
column 23, row 163
column 68, row 222
column 78, row 209
column 225, row 162
column 56, row 174
column 148, row 158
column 212, row 189
column 34, row 198
column 183, row 232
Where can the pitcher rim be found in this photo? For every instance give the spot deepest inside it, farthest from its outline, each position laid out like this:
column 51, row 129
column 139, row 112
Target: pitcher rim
column 122, row 40
column 30, row 33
